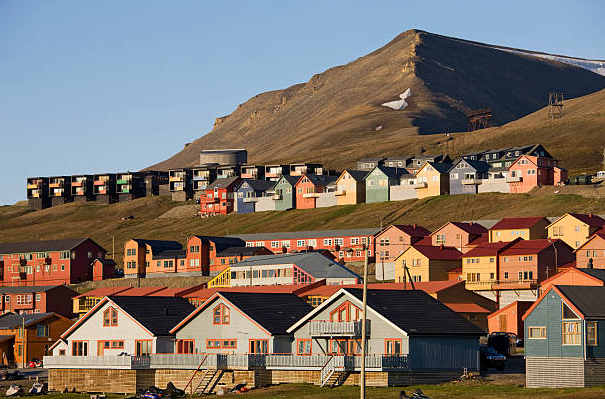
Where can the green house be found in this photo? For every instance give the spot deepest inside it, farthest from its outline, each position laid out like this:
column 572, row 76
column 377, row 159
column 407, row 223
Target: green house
column 285, row 197
column 379, row 181
column 565, row 338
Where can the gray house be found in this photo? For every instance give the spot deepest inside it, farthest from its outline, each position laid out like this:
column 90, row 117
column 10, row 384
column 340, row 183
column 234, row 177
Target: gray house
column 285, row 197
column 563, row 347
column 466, row 176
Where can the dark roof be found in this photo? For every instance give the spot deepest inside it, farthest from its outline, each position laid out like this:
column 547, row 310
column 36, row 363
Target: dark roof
column 259, row 185
column 158, row 314
column 26, row 290
column 275, row 312
column 357, row 175
column 41, row 246
column 104, row 261
column 412, row 230
column 323, row 180
column 596, row 273
column 170, row 254
column 416, row 312
column 290, row 179
column 590, row 300
column 222, row 243
column 443, row 168
column 235, row 251
column 591, row 220
column 470, row 227
column 158, row 245
column 489, row 249
column 479, row 166
column 371, row 159
column 11, row 320
column 528, row 247
column 391, row 172
column 517, row 223
column 223, row 183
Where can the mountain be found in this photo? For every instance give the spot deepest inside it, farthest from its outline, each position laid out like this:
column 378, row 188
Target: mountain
column 338, row 112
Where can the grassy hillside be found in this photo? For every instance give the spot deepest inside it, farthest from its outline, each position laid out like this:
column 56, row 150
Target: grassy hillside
column 101, row 222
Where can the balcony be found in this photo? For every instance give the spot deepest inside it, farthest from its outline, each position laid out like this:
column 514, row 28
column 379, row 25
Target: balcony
column 471, row 181
column 420, row 184
column 100, row 182
column 251, row 199
column 527, row 284
column 177, row 178
column 56, row 185
column 318, row 328
column 310, row 195
column 340, row 192
column 514, row 179
column 341, row 362
column 34, row 185
column 124, row 181
column 77, row 184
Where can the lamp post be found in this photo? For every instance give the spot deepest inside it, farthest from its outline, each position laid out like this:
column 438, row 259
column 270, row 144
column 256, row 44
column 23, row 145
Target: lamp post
column 23, row 341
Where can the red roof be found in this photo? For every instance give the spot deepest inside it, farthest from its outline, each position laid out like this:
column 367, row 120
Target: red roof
column 487, row 249
column 206, row 293
column 517, row 223
column 140, row 291
column 528, row 247
column 590, row 219
column 424, row 241
column 438, row 252
column 483, row 238
column 469, row 227
column 412, row 230
column 103, row 292
column 456, row 270
column 430, row 287
column 466, row 308
column 166, row 291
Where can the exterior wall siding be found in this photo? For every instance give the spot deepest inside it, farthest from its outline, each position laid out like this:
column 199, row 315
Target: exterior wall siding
column 402, row 193
column 439, row 353
column 553, row 372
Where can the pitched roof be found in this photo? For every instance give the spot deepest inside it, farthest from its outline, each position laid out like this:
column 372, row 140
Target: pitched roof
column 222, row 243
column 157, row 314
column 104, row 261
column 205, row 293
column 158, row 245
column 170, row 254
column 466, row 308
column 259, row 185
column 391, row 172
column 488, row 249
column 479, row 166
column 103, row 292
column 139, row 291
column 322, row 180
column 528, row 247
column 590, row 219
column 236, row 251
column 307, row 234
column 223, row 183
column 413, row 230
column 590, row 300
column 357, row 175
column 430, row 287
column 416, row 312
column 378, row 159
column 596, row 273
column 11, row 320
column 517, row 223
column 438, row 252
column 443, row 168
column 313, row 263
column 468, row 227
column 290, row 179
column 27, row 289
column 41, row 246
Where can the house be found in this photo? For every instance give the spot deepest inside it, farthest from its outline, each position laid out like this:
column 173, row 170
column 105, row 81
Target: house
column 141, row 256
column 458, row 235
column 419, row 160
column 202, row 177
column 397, row 162
column 201, row 295
column 279, row 269
column 408, row 333
column 345, row 245
column 37, row 192
column 59, row 190
column 351, row 187
column 138, row 325
column 299, row 169
column 52, row 262
column 592, row 252
column 231, row 255
column 308, row 189
column 28, row 336
column 528, row 172
column 379, row 181
column 406, row 189
column 473, row 156
column 495, row 182
column 391, row 242
column 432, row 179
column 103, row 269
column 575, row 276
column 252, row 172
column 130, row 185
column 509, row 318
column 467, row 175
column 228, row 171
column 37, row 299
column 563, row 347
column 527, row 228
column 241, row 322
column 275, row 172
column 82, row 188
column 575, row 228
column 203, row 254
column 426, row 263
column 504, row 157
column 218, row 198
column 105, row 188
column 181, row 184
column 285, row 197
column 249, row 193
column 368, row 164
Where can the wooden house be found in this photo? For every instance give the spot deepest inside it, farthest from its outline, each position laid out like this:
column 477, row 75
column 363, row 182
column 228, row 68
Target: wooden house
column 458, row 235
column 309, row 187
column 432, row 179
column 575, row 228
column 527, row 228
column 249, row 193
column 379, row 181
column 426, row 263
column 219, row 197
column 285, row 193
column 391, row 242
column 351, row 187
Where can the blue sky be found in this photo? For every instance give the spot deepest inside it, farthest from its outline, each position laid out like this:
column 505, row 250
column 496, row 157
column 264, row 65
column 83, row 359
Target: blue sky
column 91, row 87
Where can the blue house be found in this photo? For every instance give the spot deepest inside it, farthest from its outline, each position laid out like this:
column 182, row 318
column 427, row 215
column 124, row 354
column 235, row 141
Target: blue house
column 248, row 194
column 466, row 175
column 564, row 337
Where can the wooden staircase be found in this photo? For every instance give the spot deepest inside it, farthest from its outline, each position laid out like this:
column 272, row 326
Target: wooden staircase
column 209, row 380
column 337, row 378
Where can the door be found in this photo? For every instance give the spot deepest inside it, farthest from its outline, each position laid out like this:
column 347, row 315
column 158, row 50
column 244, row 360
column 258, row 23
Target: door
column 259, row 346
column 143, row 347
column 502, row 321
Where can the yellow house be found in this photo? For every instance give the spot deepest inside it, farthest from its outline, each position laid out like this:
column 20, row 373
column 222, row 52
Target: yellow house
column 426, row 263
column 480, row 265
column 575, row 228
column 432, row 179
column 351, row 187
column 528, row 228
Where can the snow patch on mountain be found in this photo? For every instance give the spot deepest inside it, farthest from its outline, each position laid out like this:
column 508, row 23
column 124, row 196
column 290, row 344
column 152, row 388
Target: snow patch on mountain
column 398, row 105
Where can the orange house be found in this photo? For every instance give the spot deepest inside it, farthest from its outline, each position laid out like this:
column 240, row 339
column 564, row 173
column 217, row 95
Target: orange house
column 573, row 276
column 396, row 238
column 141, row 256
column 509, row 318
column 529, row 171
column 592, row 251
column 309, row 187
column 457, row 235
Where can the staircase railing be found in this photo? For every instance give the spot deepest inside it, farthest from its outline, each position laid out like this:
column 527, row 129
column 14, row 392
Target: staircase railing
column 327, row 370
column 190, row 382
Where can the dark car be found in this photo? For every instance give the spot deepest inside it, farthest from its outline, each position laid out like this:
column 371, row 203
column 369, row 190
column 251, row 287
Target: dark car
column 501, row 342
column 491, row 359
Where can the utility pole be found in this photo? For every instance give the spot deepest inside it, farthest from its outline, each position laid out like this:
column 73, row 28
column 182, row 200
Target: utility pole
column 362, row 393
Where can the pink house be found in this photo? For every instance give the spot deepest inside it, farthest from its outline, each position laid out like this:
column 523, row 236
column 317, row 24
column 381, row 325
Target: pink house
column 529, row 171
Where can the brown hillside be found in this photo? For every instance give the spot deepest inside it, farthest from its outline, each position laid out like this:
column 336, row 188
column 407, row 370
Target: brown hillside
column 336, row 112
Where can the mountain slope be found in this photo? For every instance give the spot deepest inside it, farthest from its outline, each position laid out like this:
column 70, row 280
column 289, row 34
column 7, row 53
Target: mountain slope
column 341, row 106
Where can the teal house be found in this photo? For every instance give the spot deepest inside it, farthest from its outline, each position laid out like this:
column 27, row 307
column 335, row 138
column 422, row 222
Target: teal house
column 285, row 197
column 379, row 181
column 565, row 338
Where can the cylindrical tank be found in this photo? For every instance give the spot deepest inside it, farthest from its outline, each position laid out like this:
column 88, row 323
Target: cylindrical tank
column 224, row 157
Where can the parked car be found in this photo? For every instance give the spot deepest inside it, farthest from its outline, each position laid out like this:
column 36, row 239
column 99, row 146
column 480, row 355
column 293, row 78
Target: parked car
column 491, row 359
column 501, row 342
column 35, row 362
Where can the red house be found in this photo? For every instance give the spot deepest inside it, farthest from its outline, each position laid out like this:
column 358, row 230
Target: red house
column 509, row 318
column 218, row 198
column 41, row 299
column 208, row 255
column 103, row 269
column 309, row 187
column 54, row 262
column 529, row 171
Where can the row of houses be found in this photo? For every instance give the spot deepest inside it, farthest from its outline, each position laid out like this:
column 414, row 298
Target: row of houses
column 512, row 170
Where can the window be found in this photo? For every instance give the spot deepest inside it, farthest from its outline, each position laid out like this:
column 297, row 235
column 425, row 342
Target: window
column 300, row 243
column 184, row 346
column 537, row 332
column 505, row 275
column 571, row 332
column 440, row 238
column 327, row 242
column 117, row 344
column 64, row 255
column 591, row 333
column 79, row 348
column 274, row 244
column 557, row 231
column 312, row 243
column 339, row 241
column 392, row 346
column 229, row 344
column 61, row 352
column 143, row 347
column 285, row 244
column 567, row 313
column 42, row 330
column 304, row 347
column 259, row 346
column 110, row 317
column 220, row 315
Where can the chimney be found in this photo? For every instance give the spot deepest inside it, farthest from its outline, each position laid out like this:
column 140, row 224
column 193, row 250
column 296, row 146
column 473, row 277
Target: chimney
column 471, row 223
column 590, row 215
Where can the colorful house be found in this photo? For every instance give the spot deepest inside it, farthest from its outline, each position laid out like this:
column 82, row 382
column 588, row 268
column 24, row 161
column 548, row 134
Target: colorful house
column 426, row 263
column 592, row 252
column 105, row 188
column 528, row 172
column 351, row 187
column 275, row 172
column 103, row 269
column 82, row 187
column 202, row 177
column 141, row 256
column 509, row 318
column 391, row 242
column 219, row 197
column 253, row 172
column 432, row 179
column 308, row 189
column 249, row 193
column 203, row 254
column 59, row 190
column 285, row 194
column 467, row 175
column 575, row 228
column 379, row 181
column 575, row 276
column 527, row 228
column 37, row 299
column 458, row 235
